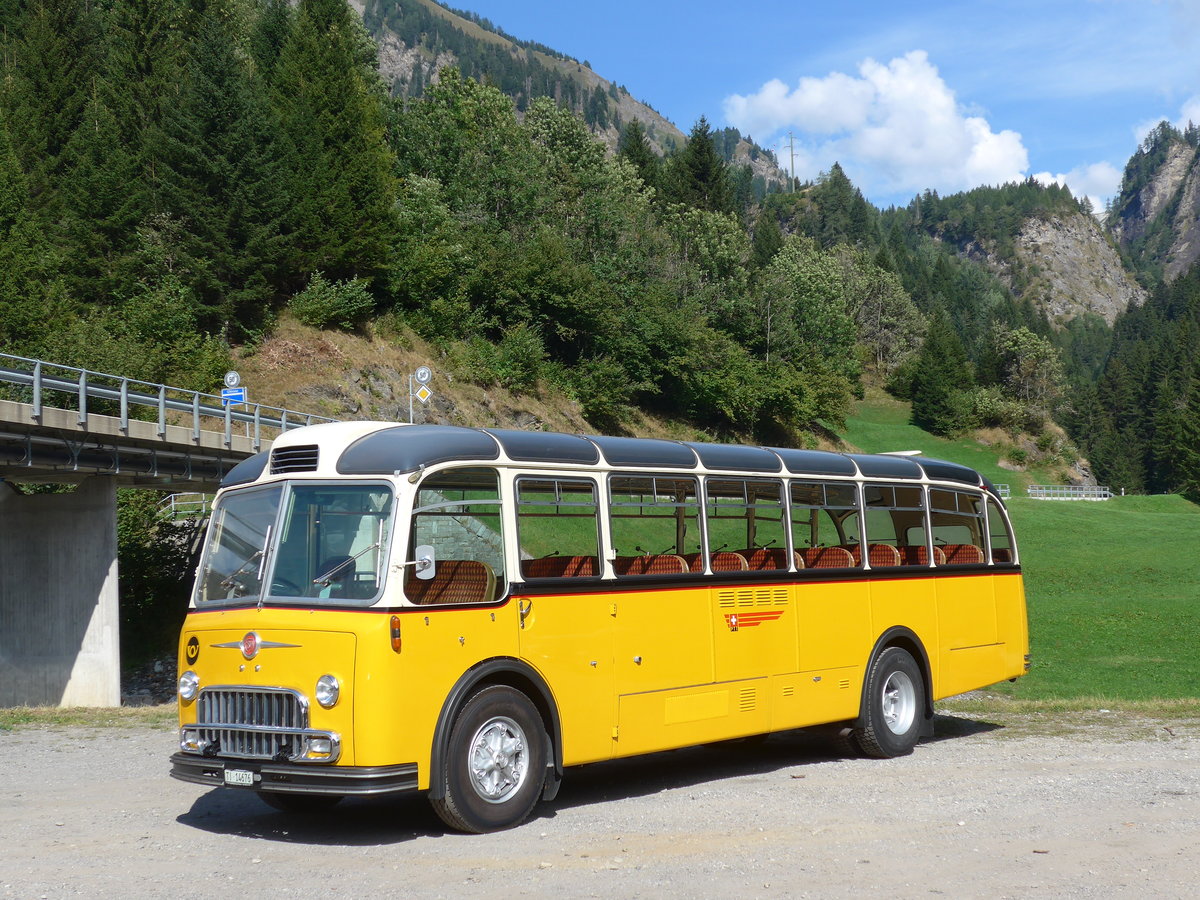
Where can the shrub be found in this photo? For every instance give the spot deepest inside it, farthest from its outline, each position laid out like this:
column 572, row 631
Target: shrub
column 333, row 304
column 516, row 362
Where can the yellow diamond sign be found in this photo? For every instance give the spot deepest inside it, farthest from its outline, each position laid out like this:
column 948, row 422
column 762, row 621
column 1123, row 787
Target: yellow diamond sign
column 423, row 394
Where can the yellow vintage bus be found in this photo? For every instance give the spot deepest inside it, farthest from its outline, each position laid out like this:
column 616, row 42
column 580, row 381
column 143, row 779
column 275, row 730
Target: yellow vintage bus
column 386, row 608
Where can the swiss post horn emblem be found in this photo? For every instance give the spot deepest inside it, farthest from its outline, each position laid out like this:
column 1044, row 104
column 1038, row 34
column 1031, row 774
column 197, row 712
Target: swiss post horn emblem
column 250, row 645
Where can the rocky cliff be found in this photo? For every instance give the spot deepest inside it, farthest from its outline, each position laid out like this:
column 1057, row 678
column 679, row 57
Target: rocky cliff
column 1066, row 266
column 1072, row 269
column 1157, row 218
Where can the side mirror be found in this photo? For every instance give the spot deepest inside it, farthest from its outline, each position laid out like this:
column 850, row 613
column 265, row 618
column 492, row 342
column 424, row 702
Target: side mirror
column 424, row 562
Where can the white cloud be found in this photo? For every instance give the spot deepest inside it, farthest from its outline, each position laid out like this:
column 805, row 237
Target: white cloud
column 1096, row 181
column 1190, row 112
column 894, row 128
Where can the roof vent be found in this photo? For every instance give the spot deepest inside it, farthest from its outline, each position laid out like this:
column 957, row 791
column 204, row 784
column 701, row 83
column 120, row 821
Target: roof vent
column 294, row 459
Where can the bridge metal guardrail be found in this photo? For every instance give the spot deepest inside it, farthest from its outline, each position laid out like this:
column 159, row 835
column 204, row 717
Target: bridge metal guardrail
column 185, row 505
column 1069, row 492
column 41, row 377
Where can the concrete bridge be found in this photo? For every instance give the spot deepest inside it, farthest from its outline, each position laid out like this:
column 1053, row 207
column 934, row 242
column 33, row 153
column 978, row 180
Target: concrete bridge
column 59, row 617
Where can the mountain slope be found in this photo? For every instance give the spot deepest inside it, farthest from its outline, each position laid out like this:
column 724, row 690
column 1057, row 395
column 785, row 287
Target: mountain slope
column 1041, row 242
column 417, row 38
column 1068, row 268
column 1156, row 217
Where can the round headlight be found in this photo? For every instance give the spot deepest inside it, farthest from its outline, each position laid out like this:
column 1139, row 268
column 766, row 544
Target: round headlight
column 189, row 685
column 327, row 690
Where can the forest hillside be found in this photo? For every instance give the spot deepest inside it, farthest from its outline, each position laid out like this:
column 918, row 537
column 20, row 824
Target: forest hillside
column 180, row 180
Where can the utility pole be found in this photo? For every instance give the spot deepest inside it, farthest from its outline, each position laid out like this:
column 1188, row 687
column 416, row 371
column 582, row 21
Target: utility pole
column 792, row 154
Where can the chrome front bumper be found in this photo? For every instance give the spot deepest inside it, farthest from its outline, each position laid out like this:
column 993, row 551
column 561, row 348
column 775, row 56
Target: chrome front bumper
column 297, row 779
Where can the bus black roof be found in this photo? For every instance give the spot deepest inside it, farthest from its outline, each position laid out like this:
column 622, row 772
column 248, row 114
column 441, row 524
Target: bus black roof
column 408, row 448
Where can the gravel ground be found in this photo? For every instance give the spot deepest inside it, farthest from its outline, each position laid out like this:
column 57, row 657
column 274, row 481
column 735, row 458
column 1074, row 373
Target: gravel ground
column 1104, row 807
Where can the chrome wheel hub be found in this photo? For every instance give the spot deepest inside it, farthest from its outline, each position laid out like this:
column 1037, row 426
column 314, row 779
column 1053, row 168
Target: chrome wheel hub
column 899, row 703
column 498, row 759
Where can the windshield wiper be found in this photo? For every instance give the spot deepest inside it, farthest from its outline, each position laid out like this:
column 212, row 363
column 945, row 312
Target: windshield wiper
column 327, row 579
column 231, row 581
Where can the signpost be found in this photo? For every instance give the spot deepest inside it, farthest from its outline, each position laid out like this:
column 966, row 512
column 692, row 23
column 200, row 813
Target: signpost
column 233, row 396
column 417, row 382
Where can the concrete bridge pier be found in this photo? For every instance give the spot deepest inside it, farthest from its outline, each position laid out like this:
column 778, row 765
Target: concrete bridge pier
column 59, row 616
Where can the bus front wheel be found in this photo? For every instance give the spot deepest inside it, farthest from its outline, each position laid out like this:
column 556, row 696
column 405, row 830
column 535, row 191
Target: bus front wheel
column 495, row 762
column 895, row 703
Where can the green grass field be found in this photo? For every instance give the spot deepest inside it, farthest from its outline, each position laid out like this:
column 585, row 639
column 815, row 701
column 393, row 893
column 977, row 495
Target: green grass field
column 1113, row 587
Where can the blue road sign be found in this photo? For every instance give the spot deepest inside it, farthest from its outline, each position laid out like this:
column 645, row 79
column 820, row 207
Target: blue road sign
column 233, row 396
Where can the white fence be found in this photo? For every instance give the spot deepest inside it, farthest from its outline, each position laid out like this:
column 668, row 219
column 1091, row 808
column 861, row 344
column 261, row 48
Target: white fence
column 185, row 506
column 1068, row 492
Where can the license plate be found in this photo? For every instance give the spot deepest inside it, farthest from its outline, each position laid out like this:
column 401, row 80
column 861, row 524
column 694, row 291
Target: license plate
column 240, row 777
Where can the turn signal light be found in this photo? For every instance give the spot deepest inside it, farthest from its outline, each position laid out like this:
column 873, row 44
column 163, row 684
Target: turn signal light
column 396, row 633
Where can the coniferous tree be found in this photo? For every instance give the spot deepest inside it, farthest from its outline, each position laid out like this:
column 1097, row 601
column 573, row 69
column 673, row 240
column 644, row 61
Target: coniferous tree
column 50, row 63
column 102, row 212
column 941, row 375
column 331, row 112
column 13, row 186
column 697, row 176
column 31, row 299
column 767, row 239
column 634, row 146
column 269, row 32
column 222, row 180
column 1184, row 456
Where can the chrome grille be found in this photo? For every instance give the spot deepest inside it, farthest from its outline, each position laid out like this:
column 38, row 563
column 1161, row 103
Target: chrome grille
column 253, row 723
column 295, row 459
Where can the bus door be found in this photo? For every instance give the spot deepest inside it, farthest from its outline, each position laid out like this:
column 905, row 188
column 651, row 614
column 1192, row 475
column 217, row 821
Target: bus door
column 966, row 603
column 834, row 610
column 664, row 660
column 566, row 620
column 754, row 625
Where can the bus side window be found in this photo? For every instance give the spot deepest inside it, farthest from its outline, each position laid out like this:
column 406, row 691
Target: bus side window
column 558, row 528
column 457, row 512
column 893, row 511
column 744, row 517
column 824, row 524
column 956, row 520
column 1001, row 538
column 654, row 516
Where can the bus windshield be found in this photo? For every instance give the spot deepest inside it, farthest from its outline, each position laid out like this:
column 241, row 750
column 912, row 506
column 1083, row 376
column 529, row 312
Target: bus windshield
column 324, row 542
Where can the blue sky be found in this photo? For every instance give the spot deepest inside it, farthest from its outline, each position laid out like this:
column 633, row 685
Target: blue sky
column 942, row 94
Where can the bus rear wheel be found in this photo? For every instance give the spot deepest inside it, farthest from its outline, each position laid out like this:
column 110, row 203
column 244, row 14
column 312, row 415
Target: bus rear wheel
column 895, row 703
column 495, row 763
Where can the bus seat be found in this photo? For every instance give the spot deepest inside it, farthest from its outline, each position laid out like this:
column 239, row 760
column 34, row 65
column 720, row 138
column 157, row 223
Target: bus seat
column 762, row 558
column 725, row 561
column 962, row 555
column 560, row 567
column 722, row 561
column 827, row 558
column 663, row 564
column 1002, row 555
column 454, row 581
column 919, row 556
column 883, row 556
